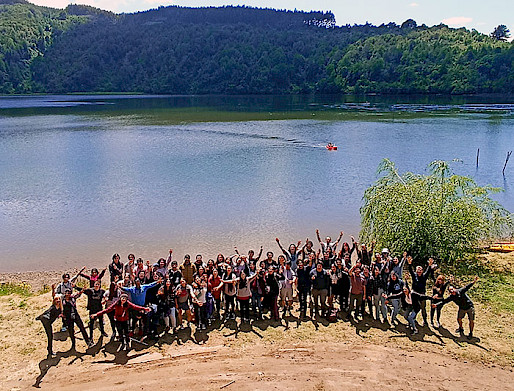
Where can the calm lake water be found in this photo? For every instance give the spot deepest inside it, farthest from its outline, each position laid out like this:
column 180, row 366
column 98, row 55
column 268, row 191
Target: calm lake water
column 83, row 177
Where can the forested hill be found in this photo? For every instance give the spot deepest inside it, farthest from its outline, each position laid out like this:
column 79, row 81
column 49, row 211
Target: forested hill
column 239, row 50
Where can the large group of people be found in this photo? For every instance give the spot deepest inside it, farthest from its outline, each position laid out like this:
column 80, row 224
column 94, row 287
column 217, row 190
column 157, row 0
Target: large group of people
column 147, row 300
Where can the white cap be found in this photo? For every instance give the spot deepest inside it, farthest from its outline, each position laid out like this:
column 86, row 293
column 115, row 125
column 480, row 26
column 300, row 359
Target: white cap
column 385, row 250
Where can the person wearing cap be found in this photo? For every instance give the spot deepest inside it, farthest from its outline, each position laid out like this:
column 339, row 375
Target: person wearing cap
column 121, row 316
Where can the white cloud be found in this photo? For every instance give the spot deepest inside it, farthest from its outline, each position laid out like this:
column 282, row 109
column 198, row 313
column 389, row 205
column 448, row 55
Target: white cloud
column 413, row 4
column 457, row 21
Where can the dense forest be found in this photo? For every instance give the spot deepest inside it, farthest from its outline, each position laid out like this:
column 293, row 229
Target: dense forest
column 239, row 50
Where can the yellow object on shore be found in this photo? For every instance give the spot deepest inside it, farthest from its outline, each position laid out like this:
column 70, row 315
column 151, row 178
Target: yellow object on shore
column 502, row 247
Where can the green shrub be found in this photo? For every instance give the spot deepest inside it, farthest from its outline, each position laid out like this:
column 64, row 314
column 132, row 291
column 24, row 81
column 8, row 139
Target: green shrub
column 440, row 214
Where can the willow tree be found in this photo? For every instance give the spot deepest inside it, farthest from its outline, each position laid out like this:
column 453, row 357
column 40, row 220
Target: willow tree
column 439, row 214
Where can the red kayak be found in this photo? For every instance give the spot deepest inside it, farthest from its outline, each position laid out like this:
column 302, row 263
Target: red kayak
column 331, row 147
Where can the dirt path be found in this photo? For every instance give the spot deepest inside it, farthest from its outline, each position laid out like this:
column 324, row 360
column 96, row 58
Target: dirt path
column 324, row 366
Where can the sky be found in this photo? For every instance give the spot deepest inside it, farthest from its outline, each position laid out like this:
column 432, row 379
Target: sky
column 472, row 14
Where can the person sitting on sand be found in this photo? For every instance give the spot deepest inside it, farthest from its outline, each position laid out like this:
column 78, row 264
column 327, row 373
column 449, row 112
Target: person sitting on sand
column 121, row 317
column 466, row 306
column 48, row 317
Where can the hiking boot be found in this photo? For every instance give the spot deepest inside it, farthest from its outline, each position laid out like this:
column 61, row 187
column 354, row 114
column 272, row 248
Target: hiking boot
column 470, row 335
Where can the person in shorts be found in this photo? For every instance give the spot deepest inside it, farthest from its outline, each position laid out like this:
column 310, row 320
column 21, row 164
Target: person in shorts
column 466, row 306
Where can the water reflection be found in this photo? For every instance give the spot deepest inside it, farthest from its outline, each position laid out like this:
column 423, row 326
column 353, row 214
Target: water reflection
column 135, row 175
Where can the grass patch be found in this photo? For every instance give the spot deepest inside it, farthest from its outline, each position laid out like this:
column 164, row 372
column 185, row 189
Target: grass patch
column 496, row 290
column 9, row 288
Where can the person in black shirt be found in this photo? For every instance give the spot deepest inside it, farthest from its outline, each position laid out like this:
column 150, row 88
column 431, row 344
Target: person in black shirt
column 48, row 317
column 72, row 317
column 419, row 284
column 437, row 295
column 271, row 290
column 320, row 284
column 116, row 267
column 95, row 296
column 303, row 284
column 466, row 306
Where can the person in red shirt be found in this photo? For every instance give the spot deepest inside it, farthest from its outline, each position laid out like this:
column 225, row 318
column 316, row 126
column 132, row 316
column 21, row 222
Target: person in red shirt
column 121, row 316
column 214, row 285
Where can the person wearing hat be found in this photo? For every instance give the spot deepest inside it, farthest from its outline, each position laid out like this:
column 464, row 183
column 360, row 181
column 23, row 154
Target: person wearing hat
column 121, row 317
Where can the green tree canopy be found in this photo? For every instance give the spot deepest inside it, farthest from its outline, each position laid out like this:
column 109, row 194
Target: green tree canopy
column 439, row 214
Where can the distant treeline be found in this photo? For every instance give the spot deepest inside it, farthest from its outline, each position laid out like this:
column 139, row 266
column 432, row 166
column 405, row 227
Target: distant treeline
column 239, row 50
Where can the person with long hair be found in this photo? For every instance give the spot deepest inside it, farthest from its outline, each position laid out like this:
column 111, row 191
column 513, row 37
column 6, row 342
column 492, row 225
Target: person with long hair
column 214, row 285
column 243, row 295
column 72, row 317
column 410, row 304
column 229, row 292
column 50, row 316
column 121, row 316
column 94, row 276
column 292, row 254
column 184, row 292
column 437, row 295
column 95, row 296
column 394, row 287
column 271, row 291
column 199, row 302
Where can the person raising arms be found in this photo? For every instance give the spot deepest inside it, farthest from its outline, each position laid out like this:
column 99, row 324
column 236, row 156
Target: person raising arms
column 466, row 306
column 48, row 317
column 328, row 245
column 121, row 316
column 292, row 254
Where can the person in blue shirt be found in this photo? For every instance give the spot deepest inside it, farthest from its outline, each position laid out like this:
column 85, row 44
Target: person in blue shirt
column 138, row 297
